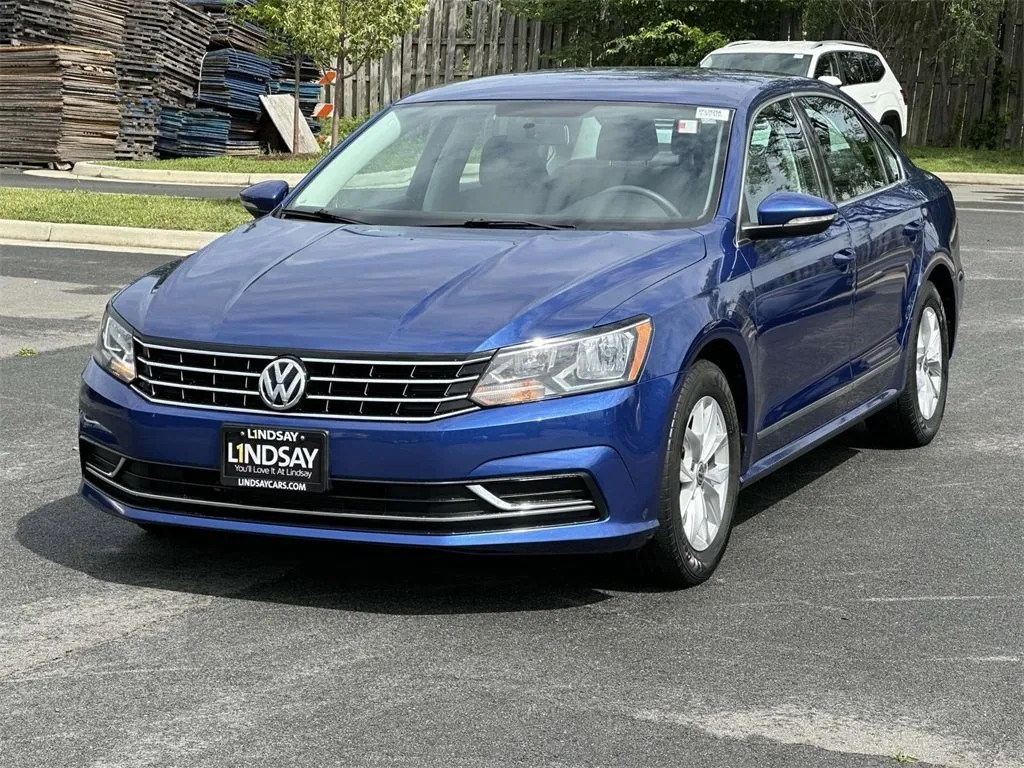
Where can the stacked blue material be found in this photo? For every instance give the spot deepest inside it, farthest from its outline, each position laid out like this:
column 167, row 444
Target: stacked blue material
column 168, row 130
column 203, row 133
column 234, row 80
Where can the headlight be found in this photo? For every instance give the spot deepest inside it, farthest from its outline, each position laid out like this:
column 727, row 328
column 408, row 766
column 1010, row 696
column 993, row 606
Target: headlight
column 114, row 350
column 569, row 365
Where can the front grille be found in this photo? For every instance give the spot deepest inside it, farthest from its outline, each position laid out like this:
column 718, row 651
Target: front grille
column 401, row 507
column 408, row 389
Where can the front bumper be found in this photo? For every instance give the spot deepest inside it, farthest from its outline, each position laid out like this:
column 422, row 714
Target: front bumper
column 614, row 439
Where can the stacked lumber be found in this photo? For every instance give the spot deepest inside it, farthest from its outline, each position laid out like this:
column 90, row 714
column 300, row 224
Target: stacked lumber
column 27, row 22
column 98, row 24
column 233, row 81
column 168, row 130
column 57, row 104
column 228, row 30
column 203, row 133
column 182, row 45
column 138, row 70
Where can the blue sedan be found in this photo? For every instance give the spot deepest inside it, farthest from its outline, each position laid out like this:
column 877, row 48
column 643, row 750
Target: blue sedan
column 558, row 312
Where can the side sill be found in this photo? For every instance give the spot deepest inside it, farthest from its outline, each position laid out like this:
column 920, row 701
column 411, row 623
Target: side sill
column 812, row 440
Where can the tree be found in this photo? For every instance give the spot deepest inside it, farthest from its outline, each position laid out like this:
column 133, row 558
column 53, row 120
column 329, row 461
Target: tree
column 299, row 28
column 669, row 44
column 366, row 30
column 645, row 32
column 963, row 29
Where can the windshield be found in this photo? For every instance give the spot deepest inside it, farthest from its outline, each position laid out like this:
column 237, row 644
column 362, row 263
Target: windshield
column 578, row 164
column 778, row 63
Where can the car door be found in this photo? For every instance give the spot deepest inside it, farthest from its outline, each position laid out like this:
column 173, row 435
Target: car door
column 886, row 220
column 803, row 288
column 857, row 80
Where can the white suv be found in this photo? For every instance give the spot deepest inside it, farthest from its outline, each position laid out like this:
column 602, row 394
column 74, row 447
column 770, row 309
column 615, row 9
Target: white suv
column 857, row 69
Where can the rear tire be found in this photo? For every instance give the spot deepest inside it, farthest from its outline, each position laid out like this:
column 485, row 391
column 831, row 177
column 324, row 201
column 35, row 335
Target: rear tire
column 891, row 131
column 700, row 481
column 914, row 418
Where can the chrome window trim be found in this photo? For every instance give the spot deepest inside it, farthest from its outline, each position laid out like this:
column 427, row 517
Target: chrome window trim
column 738, row 239
column 876, row 134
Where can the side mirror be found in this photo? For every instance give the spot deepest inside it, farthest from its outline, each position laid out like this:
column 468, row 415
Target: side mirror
column 260, row 199
column 791, row 214
column 831, row 80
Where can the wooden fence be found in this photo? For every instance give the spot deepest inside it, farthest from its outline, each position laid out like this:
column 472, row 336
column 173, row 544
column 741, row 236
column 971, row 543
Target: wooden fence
column 455, row 40
column 944, row 104
column 460, row 39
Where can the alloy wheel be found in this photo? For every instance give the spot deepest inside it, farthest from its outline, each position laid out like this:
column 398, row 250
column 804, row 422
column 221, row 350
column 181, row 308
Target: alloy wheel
column 704, row 473
column 929, row 363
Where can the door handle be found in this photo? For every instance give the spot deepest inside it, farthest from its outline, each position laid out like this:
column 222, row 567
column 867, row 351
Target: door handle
column 913, row 229
column 844, row 258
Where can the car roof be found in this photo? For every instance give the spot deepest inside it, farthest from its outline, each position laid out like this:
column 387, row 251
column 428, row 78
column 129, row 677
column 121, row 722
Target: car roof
column 661, row 85
column 793, row 46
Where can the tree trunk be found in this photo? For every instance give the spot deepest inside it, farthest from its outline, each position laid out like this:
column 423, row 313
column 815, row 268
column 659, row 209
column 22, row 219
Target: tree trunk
column 336, row 113
column 298, row 112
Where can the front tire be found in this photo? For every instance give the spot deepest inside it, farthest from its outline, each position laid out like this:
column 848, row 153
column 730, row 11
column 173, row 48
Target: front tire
column 914, row 418
column 700, row 481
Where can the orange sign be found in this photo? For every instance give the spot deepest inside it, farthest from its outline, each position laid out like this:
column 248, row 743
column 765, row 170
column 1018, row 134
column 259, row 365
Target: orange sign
column 323, row 110
column 329, row 77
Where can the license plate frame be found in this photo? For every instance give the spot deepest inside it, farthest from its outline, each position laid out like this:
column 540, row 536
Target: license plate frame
column 301, row 474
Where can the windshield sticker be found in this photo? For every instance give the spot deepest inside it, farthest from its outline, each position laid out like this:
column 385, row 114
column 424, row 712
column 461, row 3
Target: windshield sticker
column 798, row 55
column 686, row 126
column 711, row 113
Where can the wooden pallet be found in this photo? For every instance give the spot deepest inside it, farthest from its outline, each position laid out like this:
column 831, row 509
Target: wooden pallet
column 57, row 104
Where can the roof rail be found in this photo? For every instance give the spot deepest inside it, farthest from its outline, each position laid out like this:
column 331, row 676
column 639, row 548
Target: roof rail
column 841, row 42
column 742, row 42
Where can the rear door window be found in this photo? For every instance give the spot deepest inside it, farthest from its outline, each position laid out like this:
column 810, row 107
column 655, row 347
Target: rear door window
column 850, row 152
column 853, row 71
column 874, row 70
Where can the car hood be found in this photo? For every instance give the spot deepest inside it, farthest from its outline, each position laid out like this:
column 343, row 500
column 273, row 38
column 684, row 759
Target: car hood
column 313, row 286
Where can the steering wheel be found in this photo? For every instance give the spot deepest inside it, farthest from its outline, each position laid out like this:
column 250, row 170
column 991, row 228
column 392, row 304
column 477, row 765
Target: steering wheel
column 629, row 189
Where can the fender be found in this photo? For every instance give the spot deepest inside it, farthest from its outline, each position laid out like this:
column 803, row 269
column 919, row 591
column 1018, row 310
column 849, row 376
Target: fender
column 724, row 330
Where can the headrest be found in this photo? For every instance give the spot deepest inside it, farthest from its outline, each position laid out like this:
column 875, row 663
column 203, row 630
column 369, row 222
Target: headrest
column 503, row 161
column 627, row 138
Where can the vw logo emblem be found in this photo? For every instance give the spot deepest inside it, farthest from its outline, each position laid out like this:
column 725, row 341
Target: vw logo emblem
column 283, row 383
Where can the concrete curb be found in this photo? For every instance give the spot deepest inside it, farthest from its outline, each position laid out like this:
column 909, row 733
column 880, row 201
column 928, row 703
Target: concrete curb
column 156, row 175
column 1001, row 179
column 137, row 237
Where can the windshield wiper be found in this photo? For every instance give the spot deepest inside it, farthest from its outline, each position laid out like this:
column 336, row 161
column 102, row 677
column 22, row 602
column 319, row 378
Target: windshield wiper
column 506, row 224
column 321, row 214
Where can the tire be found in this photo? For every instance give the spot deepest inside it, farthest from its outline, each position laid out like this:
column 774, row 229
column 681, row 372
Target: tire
column 673, row 559
column 904, row 424
column 892, row 133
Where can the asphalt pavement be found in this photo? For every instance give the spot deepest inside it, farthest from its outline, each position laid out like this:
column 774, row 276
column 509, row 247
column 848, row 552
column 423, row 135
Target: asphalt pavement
column 871, row 602
column 13, row 177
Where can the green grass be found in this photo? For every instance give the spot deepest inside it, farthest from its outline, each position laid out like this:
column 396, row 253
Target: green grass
column 227, row 163
column 150, row 211
column 950, row 159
